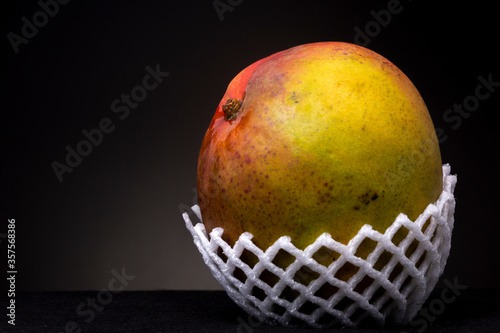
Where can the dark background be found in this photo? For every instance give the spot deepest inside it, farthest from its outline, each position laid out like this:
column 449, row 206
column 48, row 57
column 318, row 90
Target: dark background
column 120, row 207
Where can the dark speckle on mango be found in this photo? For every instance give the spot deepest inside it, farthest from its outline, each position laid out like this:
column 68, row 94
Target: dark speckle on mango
column 367, row 197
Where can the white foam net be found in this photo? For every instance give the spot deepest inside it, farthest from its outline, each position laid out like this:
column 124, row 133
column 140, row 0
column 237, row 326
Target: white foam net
column 388, row 286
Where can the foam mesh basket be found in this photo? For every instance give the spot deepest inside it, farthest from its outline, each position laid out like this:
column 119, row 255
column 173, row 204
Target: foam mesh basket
column 388, row 286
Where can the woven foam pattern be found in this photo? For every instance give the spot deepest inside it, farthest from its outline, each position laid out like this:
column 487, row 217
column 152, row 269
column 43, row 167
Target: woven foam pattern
column 388, row 286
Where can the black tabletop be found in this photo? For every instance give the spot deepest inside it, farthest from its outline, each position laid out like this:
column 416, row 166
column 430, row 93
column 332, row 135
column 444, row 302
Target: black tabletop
column 213, row 311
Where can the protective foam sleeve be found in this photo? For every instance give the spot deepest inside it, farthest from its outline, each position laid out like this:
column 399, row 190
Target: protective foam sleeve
column 388, row 286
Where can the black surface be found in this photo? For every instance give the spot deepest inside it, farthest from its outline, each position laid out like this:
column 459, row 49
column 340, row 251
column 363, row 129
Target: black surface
column 213, row 311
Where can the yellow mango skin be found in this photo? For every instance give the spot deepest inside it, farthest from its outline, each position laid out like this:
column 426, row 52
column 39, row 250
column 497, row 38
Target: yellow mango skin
column 330, row 136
